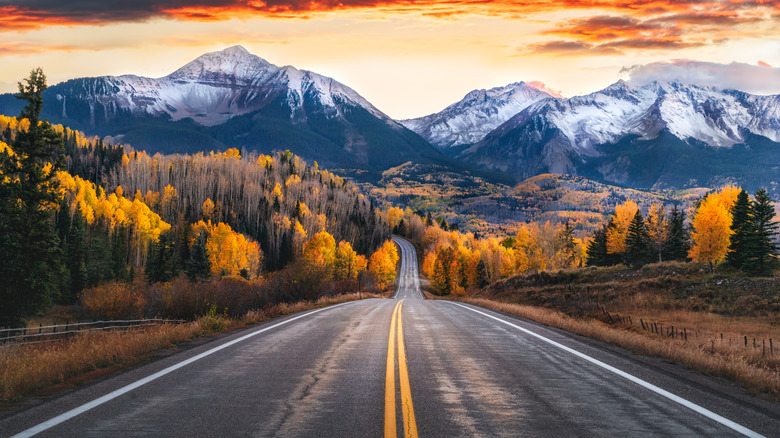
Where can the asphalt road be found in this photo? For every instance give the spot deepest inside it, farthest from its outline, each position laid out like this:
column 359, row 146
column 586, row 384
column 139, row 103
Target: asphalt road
column 401, row 367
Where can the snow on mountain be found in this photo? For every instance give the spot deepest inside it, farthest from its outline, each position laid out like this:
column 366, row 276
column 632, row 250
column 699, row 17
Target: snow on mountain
column 216, row 87
column 718, row 118
column 478, row 113
column 561, row 135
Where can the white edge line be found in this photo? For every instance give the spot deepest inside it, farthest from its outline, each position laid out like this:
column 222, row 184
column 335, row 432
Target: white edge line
column 690, row 405
column 125, row 389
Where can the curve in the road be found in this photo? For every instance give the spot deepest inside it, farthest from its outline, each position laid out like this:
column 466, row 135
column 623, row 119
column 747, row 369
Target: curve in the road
column 408, row 278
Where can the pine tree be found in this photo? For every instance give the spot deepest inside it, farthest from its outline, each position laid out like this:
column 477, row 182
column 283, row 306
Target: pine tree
column 566, row 236
column 119, row 253
column 75, row 256
column 679, row 239
column 637, row 253
column 198, row 266
column 597, row 248
column 30, row 256
column 159, row 268
column 761, row 247
column 742, row 227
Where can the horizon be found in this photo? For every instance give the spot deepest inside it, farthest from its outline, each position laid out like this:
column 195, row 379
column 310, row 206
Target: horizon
column 407, row 59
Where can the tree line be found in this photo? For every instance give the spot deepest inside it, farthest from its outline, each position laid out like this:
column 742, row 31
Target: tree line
column 76, row 212
column 457, row 262
column 725, row 226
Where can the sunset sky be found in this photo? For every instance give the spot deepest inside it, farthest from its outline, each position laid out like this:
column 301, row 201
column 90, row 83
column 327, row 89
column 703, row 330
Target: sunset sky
column 408, row 58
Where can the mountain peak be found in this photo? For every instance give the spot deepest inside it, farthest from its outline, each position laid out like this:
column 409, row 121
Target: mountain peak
column 234, row 61
column 479, row 112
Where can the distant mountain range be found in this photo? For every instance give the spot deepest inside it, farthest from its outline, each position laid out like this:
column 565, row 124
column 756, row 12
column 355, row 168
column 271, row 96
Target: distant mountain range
column 233, row 98
column 661, row 135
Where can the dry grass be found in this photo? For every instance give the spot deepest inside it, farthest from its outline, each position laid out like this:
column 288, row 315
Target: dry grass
column 25, row 369
column 757, row 371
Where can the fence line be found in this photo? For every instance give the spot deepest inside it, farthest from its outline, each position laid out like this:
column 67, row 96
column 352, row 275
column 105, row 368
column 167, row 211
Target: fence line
column 657, row 328
column 58, row 331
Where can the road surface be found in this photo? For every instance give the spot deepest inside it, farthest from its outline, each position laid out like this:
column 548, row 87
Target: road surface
column 401, row 367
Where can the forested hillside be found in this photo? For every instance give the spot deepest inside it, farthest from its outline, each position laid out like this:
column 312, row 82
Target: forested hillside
column 78, row 213
column 277, row 200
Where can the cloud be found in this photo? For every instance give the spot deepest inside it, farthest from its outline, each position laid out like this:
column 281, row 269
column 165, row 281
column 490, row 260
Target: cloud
column 603, row 26
column 567, row 48
column 756, row 79
column 543, row 87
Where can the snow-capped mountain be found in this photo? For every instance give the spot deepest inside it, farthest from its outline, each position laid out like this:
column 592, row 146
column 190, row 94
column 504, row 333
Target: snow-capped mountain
column 211, row 90
column 608, row 133
column 478, row 113
column 232, row 98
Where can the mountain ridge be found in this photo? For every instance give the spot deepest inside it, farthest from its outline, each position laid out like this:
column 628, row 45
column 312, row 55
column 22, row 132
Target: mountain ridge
column 232, row 98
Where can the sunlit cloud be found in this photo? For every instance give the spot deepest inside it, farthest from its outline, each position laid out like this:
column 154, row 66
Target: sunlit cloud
column 758, row 79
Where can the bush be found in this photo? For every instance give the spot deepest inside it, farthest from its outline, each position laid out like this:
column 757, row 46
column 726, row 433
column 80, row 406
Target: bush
column 114, row 301
column 182, row 298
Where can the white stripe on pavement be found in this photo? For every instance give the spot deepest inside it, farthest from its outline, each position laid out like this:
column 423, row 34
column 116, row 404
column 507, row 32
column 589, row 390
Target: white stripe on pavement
column 125, row 389
column 690, row 405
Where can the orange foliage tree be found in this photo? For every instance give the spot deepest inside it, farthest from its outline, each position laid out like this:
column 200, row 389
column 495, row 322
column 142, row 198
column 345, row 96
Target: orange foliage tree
column 616, row 235
column 382, row 263
column 712, row 227
column 230, row 253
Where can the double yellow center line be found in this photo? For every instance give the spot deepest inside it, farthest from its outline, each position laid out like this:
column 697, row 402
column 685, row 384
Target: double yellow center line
column 410, row 425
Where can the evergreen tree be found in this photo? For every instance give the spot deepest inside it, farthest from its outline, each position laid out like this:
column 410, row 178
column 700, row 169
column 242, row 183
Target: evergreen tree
column 637, row 242
column 75, row 256
column 199, row 266
column 119, row 254
column 742, row 227
column 679, row 238
column 29, row 247
column 597, row 248
column 159, row 268
column 482, row 277
column 566, row 237
column 761, row 247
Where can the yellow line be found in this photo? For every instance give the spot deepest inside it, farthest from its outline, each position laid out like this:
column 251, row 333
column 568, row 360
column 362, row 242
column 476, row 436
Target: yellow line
column 390, row 381
column 410, row 425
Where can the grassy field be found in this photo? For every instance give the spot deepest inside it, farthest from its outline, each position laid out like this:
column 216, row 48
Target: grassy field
column 42, row 368
column 722, row 324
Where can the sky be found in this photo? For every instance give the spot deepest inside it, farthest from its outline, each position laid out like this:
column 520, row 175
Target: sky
column 408, row 58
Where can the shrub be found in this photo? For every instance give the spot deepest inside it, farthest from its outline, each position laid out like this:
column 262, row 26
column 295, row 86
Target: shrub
column 113, row 301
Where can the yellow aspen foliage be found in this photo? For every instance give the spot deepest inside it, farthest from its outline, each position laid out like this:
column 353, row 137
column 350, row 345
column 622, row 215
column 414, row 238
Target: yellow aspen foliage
column 114, row 210
column 230, row 253
column 232, row 153
column 292, row 180
column 208, row 209
column 382, row 263
column 616, row 236
column 299, row 237
column 264, row 160
column 304, row 210
column 712, row 228
column 394, row 216
column 278, row 192
column 320, row 250
column 472, row 269
column 348, row 264
column 429, row 263
column 322, row 222
column 119, row 191
column 125, row 161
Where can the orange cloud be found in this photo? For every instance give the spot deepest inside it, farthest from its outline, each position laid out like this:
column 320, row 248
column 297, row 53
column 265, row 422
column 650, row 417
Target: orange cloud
column 605, row 27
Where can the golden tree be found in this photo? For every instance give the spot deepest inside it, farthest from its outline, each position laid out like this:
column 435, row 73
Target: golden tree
column 616, row 235
column 712, row 228
column 382, row 263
